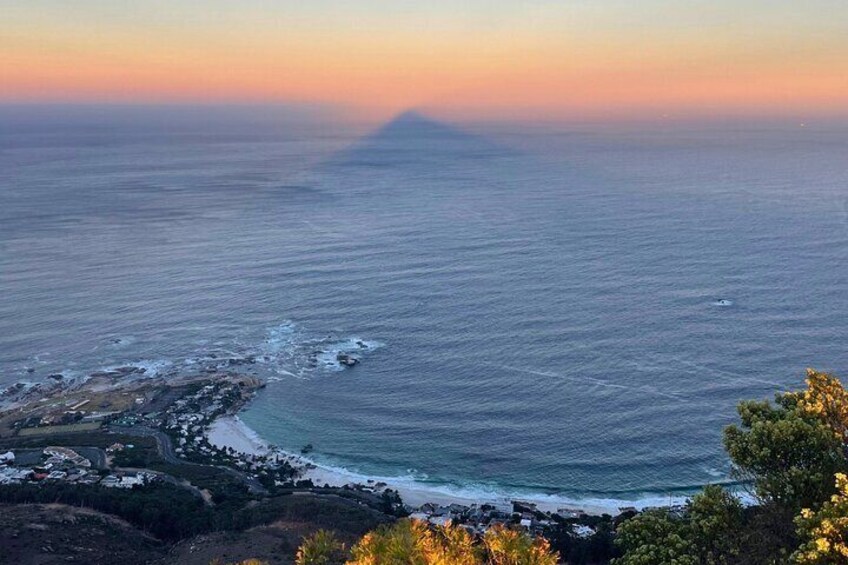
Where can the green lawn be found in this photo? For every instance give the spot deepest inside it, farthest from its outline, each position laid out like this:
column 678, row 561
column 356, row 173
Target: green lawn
column 64, row 429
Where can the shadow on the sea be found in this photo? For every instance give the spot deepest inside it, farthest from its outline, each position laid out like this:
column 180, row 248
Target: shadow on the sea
column 412, row 139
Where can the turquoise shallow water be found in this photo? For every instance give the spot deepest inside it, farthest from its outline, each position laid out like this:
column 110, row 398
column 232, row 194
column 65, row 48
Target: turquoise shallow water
column 539, row 309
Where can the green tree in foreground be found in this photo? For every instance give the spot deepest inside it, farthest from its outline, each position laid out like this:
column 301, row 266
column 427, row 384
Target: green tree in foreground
column 706, row 532
column 655, row 537
column 786, row 452
column 715, row 522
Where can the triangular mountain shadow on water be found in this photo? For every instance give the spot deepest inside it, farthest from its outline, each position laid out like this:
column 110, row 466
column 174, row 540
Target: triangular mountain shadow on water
column 411, row 138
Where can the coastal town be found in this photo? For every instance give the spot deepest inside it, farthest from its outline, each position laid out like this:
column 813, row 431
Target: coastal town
column 136, row 433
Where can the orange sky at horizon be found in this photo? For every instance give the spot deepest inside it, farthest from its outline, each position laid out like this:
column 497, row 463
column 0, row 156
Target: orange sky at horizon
column 486, row 59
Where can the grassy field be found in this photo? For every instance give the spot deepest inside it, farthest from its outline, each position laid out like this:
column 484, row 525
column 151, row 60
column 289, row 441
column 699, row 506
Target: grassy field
column 93, row 438
column 58, row 430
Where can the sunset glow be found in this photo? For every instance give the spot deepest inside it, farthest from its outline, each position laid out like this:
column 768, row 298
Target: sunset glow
column 481, row 59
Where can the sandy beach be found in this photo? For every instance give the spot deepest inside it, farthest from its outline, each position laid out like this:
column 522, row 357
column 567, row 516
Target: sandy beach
column 230, row 431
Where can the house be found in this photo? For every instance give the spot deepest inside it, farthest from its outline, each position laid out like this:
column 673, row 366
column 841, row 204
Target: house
column 571, row 513
column 582, row 531
column 13, row 476
column 110, row 481
column 126, row 481
column 58, row 455
column 115, row 447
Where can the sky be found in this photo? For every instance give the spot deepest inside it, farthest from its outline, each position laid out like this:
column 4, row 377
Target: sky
column 473, row 58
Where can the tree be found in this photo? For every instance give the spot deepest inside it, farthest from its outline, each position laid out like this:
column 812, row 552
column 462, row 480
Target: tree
column 706, row 532
column 715, row 519
column 824, row 533
column 827, row 399
column 787, row 452
column 655, row 537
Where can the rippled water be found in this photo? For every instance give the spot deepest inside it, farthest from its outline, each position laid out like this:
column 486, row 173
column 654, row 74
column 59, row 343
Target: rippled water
column 569, row 310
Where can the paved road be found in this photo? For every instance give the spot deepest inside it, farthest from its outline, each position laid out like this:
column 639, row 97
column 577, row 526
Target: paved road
column 165, row 447
column 94, row 454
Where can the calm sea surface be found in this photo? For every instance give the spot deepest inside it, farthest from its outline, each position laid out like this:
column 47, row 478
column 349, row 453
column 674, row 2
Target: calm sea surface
column 571, row 311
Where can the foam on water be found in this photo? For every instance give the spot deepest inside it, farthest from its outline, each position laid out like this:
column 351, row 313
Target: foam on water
column 287, row 351
column 352, row 346
column 280, row 338
column 151, row 367
column 417, row 486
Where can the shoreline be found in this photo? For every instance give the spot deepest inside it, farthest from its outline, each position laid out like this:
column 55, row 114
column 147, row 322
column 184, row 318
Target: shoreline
column 230, row 431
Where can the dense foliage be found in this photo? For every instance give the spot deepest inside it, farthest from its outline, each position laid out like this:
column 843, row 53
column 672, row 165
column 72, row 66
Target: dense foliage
column 410, row 542
column 791, row 453
column 788, row 454
column 707, row 531
column 595, row 548
column 824, row 533
column 168, row 512
column 173, row 513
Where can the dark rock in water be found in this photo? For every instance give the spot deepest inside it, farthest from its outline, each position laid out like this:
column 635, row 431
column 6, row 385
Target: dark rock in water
column 56, row 377
column 13, row 389
column 30, row 370
column 346, row 360
column 119, row 372
column 362, row 344
column 241, row 361
column 130, row 370
column 306, row 448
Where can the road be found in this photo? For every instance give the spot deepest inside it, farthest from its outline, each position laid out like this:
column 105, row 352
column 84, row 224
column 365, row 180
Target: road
column 165, row 447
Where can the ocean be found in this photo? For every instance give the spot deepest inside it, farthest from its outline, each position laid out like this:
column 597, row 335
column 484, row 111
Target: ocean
column 562, row 311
